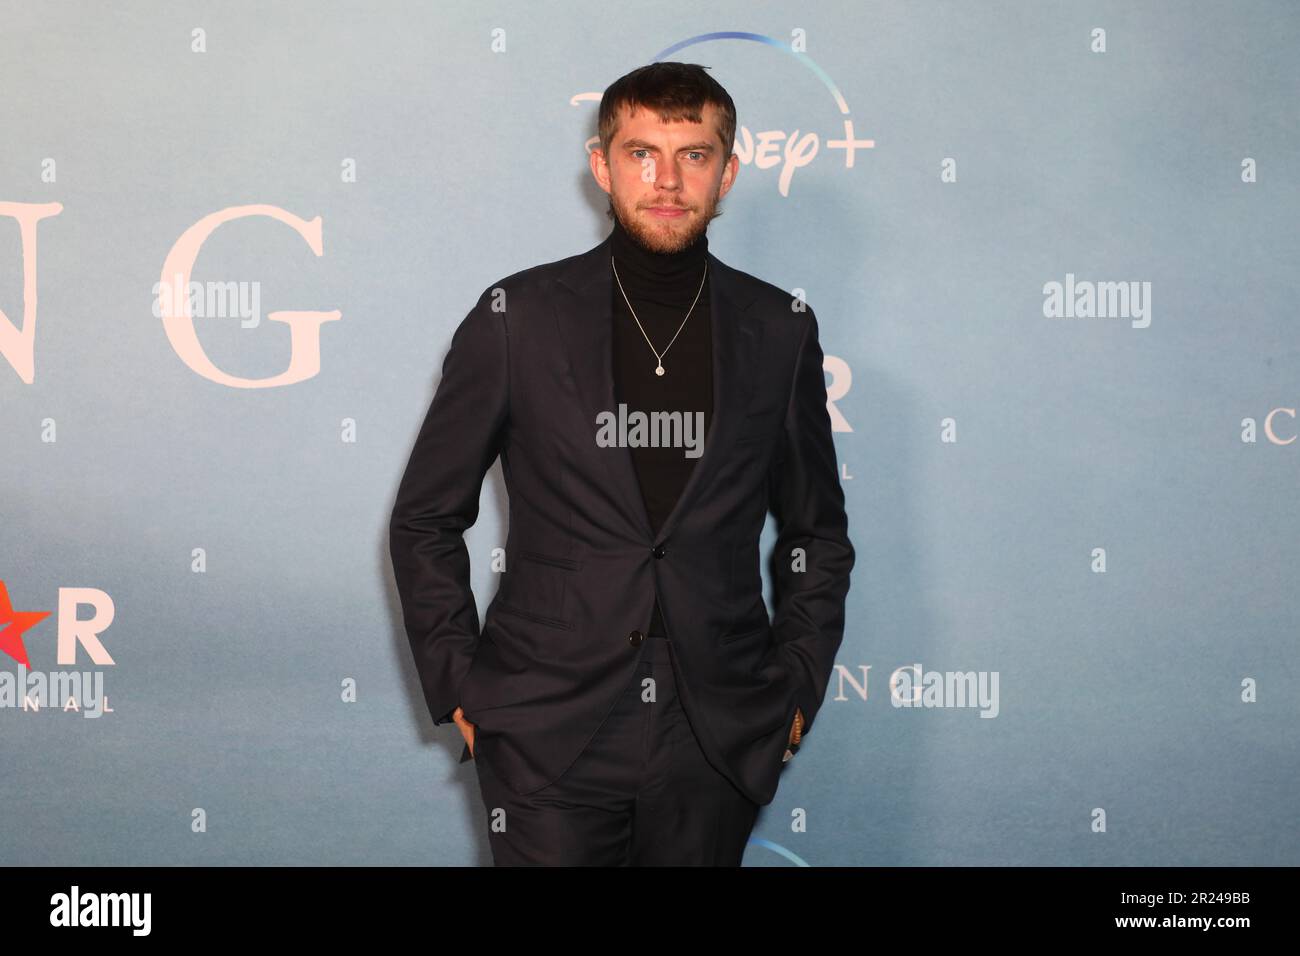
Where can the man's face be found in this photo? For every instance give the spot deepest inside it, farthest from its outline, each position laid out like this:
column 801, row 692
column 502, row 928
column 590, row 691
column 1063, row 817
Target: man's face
column 665, row 179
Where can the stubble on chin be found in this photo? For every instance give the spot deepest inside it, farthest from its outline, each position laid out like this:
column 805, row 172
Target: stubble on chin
column 665, row 241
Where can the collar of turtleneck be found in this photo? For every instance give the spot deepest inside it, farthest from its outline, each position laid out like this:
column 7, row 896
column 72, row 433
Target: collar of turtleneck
column 671, row 277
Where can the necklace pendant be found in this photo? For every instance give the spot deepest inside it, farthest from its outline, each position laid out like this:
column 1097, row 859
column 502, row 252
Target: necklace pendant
column 659, row 370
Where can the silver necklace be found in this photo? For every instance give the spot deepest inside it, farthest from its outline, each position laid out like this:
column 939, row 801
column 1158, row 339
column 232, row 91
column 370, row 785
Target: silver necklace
column 659, row 356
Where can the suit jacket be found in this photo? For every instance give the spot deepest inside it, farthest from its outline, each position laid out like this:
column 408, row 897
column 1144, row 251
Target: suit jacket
column 528, row 370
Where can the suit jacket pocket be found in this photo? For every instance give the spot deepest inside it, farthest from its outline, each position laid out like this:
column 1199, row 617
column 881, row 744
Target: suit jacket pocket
column 748, row 634
column 535, row 587
column 763, row 424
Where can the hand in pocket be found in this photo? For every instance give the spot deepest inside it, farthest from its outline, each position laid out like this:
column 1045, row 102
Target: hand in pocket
column 467, row 729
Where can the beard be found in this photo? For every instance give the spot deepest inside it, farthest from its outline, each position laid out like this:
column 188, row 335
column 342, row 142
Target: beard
column 669, row 236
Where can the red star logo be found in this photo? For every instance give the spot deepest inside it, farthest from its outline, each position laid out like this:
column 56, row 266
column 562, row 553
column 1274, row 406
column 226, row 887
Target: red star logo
column 12, row 625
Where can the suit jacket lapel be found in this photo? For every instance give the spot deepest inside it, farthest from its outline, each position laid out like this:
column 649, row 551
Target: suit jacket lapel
column 584, row 309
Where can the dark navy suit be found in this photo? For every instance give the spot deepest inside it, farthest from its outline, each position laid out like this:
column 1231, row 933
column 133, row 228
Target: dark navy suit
column 563, row 649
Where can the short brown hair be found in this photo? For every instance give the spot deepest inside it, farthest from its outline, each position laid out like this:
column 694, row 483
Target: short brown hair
column 675, row 92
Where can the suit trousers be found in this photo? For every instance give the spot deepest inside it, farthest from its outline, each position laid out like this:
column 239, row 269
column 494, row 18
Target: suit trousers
column 641, row 793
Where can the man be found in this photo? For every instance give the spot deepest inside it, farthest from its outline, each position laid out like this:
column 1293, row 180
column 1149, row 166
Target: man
column 628, row 700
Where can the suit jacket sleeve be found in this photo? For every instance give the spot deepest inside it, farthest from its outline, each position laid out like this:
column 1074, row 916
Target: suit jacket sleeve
column 808, row 504
column 438, row 498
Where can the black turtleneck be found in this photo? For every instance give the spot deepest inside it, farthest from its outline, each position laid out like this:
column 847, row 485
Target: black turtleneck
column 661, row 288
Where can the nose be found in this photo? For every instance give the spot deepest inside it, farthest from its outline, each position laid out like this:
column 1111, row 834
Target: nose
column 666, row 175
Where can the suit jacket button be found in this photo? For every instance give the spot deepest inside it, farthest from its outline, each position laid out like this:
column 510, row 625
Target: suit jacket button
column 659, row 551
column 635, row 638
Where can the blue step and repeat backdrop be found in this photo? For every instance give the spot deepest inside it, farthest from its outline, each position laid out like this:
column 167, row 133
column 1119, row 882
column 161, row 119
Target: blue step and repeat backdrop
column 1052, row 248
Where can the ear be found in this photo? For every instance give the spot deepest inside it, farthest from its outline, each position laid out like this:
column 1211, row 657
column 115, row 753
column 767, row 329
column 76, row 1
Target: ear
column 600, row 168
column 729, row 172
